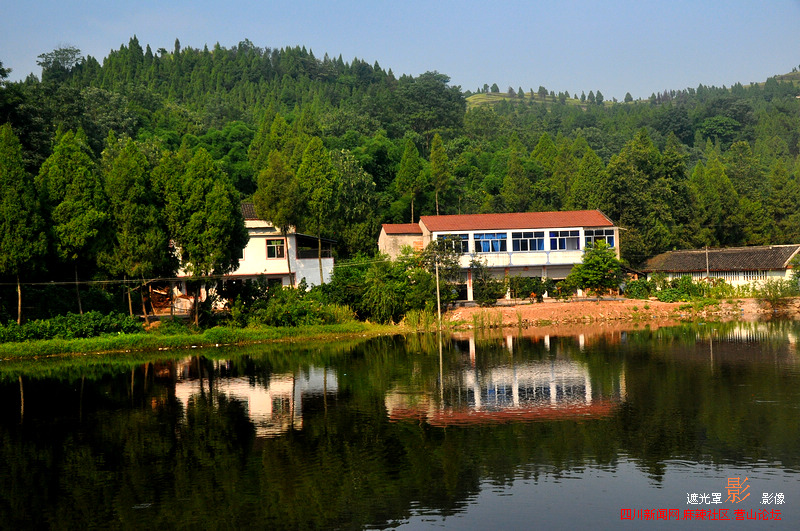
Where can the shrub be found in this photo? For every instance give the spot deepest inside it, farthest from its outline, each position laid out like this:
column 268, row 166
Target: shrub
column 71, row 326
column 486, row 288
column 532, row 288
column 775, row 290
column 639, row 289
column 296, row 307
column 671, row 295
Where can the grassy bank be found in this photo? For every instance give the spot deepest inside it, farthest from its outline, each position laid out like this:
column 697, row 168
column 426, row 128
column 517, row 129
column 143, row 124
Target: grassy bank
column 149, row 341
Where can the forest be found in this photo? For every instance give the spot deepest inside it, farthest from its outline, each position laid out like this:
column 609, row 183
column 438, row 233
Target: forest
column 107, row 166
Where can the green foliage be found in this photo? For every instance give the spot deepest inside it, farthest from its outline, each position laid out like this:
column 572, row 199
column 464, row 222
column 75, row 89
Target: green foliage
column 532, row 288
column 292, row 307
column 232, row 107
column 776, row 290
column 71, row 326
column 684, row 289
column 208, row 227
column 486, row 289
column 639, row 289
column 566, row 288
column 22, row 238
column 599, row 271
column 410, row 178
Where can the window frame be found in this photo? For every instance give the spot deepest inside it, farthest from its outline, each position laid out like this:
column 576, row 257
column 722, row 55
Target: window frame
column 455, row 239
column 491, row 237
column 282, row 247
column 591, row 236
column 559, row 239
column 520, row 240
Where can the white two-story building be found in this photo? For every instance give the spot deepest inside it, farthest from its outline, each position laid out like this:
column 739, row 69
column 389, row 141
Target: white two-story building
column 529, row 244
column 281, row 258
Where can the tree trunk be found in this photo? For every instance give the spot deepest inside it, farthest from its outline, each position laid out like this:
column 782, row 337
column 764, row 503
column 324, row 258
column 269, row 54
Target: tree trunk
column 130, row 303
column 144, row 308
column 437, row 204
column 19, row 301
column 319, row 257
column 288, row 262
column 194, row 307
column 78, row 291
column 412, row 208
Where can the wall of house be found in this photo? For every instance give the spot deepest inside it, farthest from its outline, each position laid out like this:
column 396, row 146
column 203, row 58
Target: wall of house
column 308, row 268
column 734, row 278
column 552, row 263
column 392, row 244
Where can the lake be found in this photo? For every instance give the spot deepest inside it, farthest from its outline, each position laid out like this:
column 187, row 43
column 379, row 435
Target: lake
column 688, row 427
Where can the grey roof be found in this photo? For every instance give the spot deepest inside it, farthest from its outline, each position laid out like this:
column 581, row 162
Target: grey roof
column 762, row 258
column 249, row 211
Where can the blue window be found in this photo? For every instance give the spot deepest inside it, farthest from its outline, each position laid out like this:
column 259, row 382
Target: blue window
column 491, row 242
column 599, row 235
column 527, row 241
column 460, row 242
column 565, row 240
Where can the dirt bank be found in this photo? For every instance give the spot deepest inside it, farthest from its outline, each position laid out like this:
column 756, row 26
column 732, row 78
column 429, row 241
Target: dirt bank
column 552, row 312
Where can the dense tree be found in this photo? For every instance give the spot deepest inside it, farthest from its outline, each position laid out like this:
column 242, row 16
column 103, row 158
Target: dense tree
column 517, row 188
column 439, row 170
column 319, row 187
column 57, row 65
column 241, row 103
column 277, row 198
column 357, row 218
column 410, row 178
column 782, row 205
column 22, row 236
column 585, row 189
column 75, row 203
column 206, row 222
column 139, row 241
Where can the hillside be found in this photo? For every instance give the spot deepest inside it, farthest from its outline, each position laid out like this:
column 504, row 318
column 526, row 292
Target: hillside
column 691, row 167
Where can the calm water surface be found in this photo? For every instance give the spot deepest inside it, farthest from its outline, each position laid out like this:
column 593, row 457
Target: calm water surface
column 601, row 430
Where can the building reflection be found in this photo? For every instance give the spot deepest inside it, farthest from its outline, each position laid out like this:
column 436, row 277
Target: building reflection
column 274, row 405
column 550, row 389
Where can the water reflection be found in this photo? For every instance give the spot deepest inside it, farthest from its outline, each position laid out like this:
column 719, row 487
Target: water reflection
column 274, row 405
column 557, row 388
column 397, row 430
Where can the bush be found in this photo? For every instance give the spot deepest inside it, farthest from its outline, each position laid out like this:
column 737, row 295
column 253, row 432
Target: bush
column 71, row 326
column 532, row 288
column 485, row 288
column 566, row 288
column 639, row 289
column 296, row 307
column 671, row 295
column 775, row 290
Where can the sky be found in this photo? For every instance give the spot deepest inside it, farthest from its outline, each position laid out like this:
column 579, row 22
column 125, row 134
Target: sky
column 615, row 46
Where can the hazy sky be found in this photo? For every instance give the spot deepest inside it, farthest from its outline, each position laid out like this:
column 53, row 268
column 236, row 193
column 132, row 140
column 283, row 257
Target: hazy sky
column 613, row 46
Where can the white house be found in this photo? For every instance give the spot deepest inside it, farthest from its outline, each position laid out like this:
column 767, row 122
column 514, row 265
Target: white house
column 270, row 254
column 530, row 244
column 268, row 249
column 736, row 265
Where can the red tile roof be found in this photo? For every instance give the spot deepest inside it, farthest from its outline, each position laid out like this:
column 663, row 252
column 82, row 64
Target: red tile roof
column 401, row 228
column 519, row 220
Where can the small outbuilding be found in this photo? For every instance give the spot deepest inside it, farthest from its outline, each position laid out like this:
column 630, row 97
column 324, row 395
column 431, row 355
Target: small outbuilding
column 737, row 266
